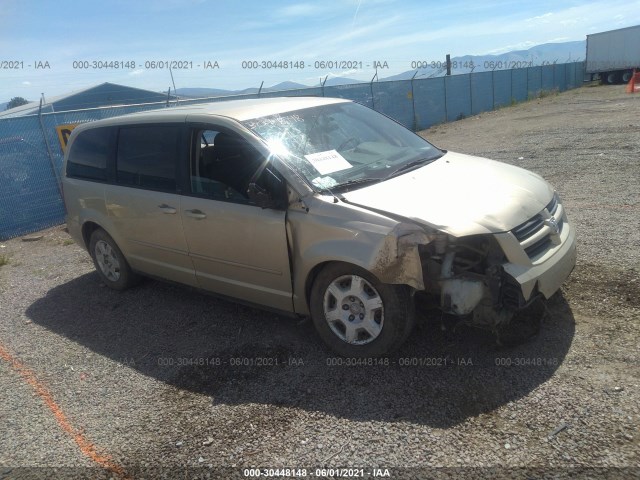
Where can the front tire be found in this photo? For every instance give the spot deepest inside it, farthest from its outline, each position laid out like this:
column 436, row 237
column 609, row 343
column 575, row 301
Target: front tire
column 113, row 268
column 358, row 316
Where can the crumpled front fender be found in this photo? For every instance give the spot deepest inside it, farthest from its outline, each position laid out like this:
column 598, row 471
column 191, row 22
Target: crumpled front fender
column 398, row 259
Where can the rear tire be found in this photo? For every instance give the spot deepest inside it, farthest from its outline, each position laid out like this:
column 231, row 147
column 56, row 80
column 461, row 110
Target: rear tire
column 113, row 268
column 611, row 78
column 358, row 316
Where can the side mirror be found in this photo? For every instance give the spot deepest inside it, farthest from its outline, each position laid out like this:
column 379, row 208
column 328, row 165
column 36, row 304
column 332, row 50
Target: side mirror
column 260, row 196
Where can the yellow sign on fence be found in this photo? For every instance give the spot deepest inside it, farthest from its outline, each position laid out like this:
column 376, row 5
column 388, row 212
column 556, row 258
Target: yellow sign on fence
column 64, row 131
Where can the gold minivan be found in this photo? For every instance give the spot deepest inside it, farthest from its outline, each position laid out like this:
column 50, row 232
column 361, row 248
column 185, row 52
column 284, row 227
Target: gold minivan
column 314, row 206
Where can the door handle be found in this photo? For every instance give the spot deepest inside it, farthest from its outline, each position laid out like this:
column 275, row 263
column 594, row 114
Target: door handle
column 167, row 209
column 195, row 214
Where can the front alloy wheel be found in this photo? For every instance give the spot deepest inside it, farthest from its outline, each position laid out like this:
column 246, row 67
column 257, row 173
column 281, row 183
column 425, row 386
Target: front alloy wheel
column 357, row 315
column 354, row 310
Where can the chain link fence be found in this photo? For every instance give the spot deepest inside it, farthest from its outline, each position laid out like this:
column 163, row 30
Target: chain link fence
column 31, row 154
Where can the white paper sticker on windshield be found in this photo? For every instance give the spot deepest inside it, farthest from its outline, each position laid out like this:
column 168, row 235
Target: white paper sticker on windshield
column 328, row 162
column 324, row 182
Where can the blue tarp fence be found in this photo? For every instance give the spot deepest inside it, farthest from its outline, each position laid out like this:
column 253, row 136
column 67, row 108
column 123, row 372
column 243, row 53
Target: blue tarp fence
column 31, row 155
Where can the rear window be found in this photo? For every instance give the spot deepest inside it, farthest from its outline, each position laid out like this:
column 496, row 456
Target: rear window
column 90, row 153
column 148, row 156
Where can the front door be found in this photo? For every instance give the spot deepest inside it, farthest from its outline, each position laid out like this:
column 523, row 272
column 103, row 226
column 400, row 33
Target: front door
column 238, row 249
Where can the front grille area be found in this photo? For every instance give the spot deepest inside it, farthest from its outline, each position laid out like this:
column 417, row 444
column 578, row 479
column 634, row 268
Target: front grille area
column 528, row 228
column 535, row 234
column 539, row 247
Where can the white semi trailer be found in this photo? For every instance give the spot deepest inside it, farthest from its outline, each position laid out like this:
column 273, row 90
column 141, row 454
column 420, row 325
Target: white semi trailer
column 613, row 55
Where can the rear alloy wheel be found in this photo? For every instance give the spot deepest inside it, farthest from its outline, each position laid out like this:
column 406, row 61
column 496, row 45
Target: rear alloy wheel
column 110, row 262
column 356, row 315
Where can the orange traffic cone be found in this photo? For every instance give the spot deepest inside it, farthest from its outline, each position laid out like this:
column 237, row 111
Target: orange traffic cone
column 634, row 84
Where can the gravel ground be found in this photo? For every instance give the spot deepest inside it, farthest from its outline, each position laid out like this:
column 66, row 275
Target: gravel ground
column 147, row 382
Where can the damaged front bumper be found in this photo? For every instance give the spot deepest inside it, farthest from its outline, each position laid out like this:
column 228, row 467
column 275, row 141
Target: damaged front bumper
column 490, row 277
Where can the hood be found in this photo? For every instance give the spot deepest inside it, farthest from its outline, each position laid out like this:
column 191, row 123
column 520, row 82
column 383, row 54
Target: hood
column 460, row 194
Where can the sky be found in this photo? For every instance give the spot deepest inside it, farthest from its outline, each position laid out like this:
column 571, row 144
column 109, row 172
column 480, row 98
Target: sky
column 44, row 44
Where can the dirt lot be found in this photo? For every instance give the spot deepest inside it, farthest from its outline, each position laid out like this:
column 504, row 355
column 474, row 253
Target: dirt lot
column 155, row 380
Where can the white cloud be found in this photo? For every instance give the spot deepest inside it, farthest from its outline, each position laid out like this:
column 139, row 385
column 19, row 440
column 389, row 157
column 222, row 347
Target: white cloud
column 299, row 10
column 514, row 46
column 356, row 14
column 289, row 15
column 543, row 17
column 137, row 73
column 26, row 82
column 348, row 42
column 346, row 73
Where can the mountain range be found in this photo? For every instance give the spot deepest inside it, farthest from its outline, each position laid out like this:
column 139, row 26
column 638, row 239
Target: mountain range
column 547, row 53
column 200, row 92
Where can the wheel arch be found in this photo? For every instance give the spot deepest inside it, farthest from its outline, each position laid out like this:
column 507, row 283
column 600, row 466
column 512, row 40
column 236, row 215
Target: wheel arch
column 87, row 230
column 315, row 271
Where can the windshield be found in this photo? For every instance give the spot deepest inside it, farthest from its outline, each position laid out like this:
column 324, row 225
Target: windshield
column 342, row 144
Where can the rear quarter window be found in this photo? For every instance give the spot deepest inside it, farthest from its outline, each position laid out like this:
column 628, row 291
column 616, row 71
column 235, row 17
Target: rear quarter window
column 90, row 152
column 148, row 156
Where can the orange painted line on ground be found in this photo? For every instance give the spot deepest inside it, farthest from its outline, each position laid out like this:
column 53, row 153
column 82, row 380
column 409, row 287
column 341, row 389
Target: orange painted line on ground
column 86, row 447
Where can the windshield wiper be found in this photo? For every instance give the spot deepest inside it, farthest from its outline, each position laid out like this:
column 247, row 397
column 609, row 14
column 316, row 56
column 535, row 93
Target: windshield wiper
column 411, row 166
column 358, row 181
